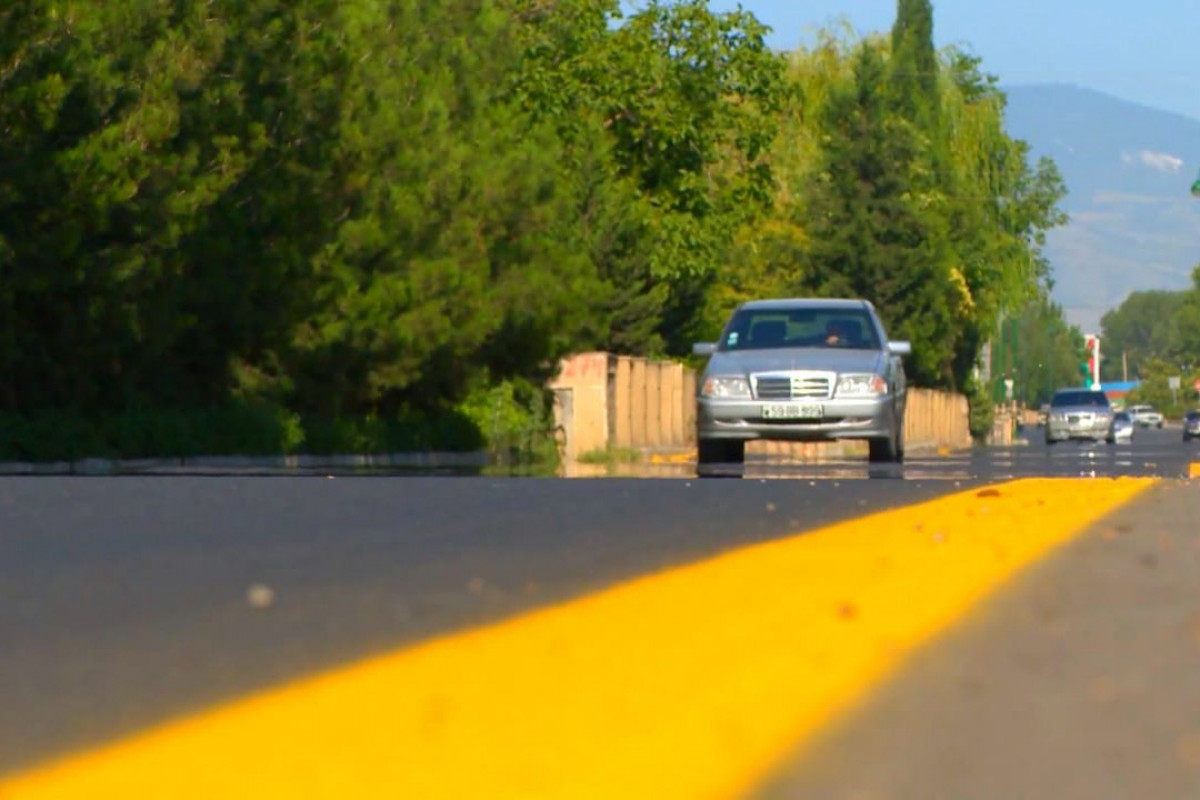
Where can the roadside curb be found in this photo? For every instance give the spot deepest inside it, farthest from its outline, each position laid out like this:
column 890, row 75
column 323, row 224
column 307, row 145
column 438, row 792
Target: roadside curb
column 477, row 459
column 140, row 466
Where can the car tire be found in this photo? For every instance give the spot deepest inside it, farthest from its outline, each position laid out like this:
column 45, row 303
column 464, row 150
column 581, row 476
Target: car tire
column 888, row 449
column 1111, row 440
column 881, row 450
column 720, row 458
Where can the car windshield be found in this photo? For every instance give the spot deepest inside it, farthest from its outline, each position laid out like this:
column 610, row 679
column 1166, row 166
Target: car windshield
column 1193, row 415
column 773, row 328
column 1123, row 416
column 1080, row 398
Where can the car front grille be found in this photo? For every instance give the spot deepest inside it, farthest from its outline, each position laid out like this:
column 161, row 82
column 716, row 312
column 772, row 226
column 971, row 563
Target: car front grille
column 810, row 387
column 774, row 388
column 805, row 386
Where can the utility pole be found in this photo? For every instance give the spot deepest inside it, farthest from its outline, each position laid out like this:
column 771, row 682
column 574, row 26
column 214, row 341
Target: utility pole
column 1124, row 367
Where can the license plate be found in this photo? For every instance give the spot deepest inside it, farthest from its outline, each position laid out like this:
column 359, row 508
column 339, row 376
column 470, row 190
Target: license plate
column 793, row 411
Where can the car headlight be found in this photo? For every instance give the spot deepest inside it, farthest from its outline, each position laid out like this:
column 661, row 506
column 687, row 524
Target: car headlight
column 861, row 385
column 728, row 386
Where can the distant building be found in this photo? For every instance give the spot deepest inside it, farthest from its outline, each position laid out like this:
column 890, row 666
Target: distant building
column 1117, row 390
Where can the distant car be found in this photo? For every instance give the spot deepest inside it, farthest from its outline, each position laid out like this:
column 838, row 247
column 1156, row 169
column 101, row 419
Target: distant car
column 1191, row 426
column 1079, row 414
column 1122, row 427
column 1146, row 416
column 800, row 370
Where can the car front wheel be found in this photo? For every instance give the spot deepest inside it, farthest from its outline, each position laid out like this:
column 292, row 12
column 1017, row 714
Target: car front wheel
column 887, row 449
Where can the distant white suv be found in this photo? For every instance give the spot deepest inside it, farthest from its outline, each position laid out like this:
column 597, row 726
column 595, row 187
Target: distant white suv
column 1146, row 416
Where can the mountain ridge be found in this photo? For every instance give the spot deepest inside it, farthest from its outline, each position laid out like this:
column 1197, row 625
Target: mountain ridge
column 1128, row 169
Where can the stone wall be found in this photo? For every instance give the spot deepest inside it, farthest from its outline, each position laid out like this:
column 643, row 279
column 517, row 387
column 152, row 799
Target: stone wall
column 603, row 401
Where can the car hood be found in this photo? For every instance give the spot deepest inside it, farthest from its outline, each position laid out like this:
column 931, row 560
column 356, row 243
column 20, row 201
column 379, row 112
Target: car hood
column 799, row 358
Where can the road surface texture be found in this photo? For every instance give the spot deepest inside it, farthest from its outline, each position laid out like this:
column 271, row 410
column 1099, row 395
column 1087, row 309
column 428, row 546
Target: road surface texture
column 843, row 629
column 1080, row 680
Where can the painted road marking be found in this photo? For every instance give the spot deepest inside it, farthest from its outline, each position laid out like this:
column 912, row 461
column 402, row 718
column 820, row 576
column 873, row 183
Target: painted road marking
column 1194, row 469
column 696, row 682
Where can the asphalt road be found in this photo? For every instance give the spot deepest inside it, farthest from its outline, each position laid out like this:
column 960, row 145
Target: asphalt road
column 124, row 601
column 128, row 601
column 1080, row 681
column 1151, row 453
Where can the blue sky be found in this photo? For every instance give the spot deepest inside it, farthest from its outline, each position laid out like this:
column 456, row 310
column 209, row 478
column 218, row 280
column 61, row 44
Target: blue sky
column 1144, row 51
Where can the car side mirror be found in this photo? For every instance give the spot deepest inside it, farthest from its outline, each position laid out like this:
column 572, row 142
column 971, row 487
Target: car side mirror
column 900, row 348
column 704, row 348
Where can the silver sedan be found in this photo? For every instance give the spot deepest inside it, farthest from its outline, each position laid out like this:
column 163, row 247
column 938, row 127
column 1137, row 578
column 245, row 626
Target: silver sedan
column 801, row 370
column 1079, row 414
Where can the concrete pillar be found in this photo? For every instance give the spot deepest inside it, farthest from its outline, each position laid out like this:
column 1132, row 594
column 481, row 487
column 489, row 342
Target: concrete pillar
column 654, row 398
column 689, row 406
column 585, row 375
column 564, row 423
column 675, row 436
column 622, row 400
column 637, row 403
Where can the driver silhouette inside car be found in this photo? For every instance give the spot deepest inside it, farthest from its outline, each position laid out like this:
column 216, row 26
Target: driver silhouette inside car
column 835, row 334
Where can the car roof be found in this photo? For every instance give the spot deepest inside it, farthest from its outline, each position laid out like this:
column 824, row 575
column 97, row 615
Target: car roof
column 790, row 303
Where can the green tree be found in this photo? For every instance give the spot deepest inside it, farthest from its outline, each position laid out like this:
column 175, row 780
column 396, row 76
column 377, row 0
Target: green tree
column 1148, row 325
column 692, row 103
column 1039, row 351
column 1155, row 387
column 867, row 234
column 101, row 187
column 914, row 67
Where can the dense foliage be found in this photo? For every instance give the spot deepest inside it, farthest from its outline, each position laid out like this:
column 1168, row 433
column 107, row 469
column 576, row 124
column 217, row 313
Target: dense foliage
column 1152, row 325
column 1152, row 337
column 1039, row 352
column 386, row 209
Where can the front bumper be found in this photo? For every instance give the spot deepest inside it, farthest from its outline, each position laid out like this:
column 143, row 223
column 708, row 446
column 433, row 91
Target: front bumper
column 850, row 418
column 1061, row 431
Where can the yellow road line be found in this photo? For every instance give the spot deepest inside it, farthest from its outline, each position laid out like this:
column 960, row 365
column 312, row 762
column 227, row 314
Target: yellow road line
column 672, row 458
column 695, row 682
